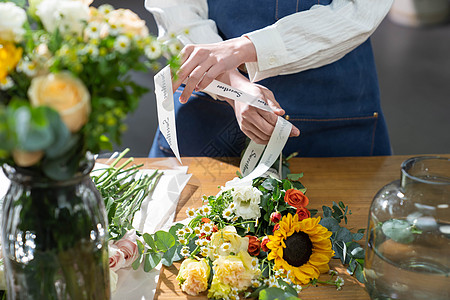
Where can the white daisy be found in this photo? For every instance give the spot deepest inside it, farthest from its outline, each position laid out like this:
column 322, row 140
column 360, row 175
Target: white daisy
column 153, row 51
column 204, row 242
column 207, row 228
column 234, row 219
column 175, row 48
column 187, row 229
column 180, row 232
column 185, row 251
column 254, row 262
column 190, row 212
column 197, row 231
column 232, row 205
column 122, row 44
column 93, row 30
column 227, row 214
column 27, row 67
column 182, row 241
column 90, row 49
column 105, row 9
column 6, row 83
column 206, row 209
column 255, row 283
column 204, row 251
column 225, row 247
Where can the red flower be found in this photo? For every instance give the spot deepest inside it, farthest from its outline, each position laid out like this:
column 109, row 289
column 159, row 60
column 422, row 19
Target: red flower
column 303, row 213
column 275, row 228
column 206, row 220
column 254, row 245
column 296, row 198
column 265, row 240
column 275, row 217
column 215, row 229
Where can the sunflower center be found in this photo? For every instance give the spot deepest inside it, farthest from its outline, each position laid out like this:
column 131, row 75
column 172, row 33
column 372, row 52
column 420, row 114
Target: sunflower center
column 298, row 249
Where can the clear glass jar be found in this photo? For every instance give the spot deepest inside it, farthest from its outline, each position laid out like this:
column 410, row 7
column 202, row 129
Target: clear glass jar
column 408, row 235
column 54, row 237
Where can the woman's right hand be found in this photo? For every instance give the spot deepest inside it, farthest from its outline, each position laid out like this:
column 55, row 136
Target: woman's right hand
column 255, row 123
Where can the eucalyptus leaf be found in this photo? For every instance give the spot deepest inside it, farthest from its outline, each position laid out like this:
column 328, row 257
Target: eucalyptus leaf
column 171, row 255
column 273, row 293
column 151, row 260
column 330, row 223
column 294, row 177
column 398, row 230
column 150, row 242
column 31, row 128
column 164, row 240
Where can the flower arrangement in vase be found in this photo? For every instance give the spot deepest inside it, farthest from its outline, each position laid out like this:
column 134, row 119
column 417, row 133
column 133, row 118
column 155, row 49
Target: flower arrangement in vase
column 65, row 90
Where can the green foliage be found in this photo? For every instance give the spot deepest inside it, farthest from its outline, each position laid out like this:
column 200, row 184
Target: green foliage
column 273, row 293
column 343, row 241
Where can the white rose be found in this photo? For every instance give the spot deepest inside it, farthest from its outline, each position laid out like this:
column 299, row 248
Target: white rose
column 12, row 19
column 246, row 199
column 68, row 16
column 116, row 257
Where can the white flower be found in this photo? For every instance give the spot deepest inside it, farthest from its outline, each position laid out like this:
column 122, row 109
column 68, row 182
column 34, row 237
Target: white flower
column 190, row 212
column 6, row 84
column 27, row 67
column 225, row 247
column 12, row 19
column 105, row 9
column 197, row 231
column 180, row 232
column 90, row 50
column 207, row 228
column 227, row 213
column 175, row 48
column 206, row 209
column 187, row 229
column 339, row 282
column 182, row 241
column 67, row 16
column 96, row 30
column 122, row 44
column 246, row 198
column 185, row 251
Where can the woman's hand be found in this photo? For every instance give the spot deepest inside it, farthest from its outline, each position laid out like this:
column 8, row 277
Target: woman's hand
column 255, row 123
column 201, row 64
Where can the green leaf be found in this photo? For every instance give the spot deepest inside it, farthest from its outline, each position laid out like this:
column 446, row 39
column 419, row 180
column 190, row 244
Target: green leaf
column 288, row 287
column 151, row 260
column 398, row 230
column 270, row 184
column 330, row 223
column 174, row 228
column 359, row 274
column 358, row 236
column 171, row 255
column 150, row 242
column 32, row 129
column 327, row 212
column 164, row 240
column 294, row 177
column 287, row 185
column 343, row 234
column 273, row 293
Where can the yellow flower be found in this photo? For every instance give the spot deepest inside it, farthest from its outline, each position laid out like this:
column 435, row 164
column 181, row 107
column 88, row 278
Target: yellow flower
column 227, row 235
column 64, row 93
column 233, row 271
column 9, row 57
column 193, row 276
column 301, row 247
column 128, row 22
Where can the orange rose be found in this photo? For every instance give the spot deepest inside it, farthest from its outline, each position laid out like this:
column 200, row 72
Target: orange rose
column 296, row 198
column 265, row 240
column 254, row 245
column 303, row 213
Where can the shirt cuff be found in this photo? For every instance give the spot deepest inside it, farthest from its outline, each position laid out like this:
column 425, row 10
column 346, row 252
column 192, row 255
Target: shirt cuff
column 270, row 50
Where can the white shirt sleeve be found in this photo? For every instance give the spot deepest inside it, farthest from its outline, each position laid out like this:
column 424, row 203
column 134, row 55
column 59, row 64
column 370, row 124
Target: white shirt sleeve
column 298, row 42
column 314, row 38
column 185, row 19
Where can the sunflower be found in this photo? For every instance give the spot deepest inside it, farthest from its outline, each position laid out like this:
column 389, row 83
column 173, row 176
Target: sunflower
column 301, row 247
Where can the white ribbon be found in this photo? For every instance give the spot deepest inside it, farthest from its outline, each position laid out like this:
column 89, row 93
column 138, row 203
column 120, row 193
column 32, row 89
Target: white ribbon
column 250, row 168
column 166, row 111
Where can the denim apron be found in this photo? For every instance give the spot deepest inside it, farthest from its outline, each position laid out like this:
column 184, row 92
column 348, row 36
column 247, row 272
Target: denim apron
column 336, row 107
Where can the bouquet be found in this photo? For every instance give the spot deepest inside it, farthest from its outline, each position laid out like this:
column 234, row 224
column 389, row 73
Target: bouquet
column 65, row 84
column 261, row 240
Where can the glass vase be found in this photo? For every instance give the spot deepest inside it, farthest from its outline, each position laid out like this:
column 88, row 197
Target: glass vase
column 54, row 237
column 408, row 236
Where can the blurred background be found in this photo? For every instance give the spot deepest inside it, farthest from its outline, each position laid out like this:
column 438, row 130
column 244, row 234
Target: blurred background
column 412, row 53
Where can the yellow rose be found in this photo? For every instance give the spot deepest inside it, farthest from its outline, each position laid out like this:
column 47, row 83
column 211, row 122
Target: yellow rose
column 229, row 237
column 128, row 22
column 193, row 276
column 9, row 57
column 235, row 271
column 64, row 93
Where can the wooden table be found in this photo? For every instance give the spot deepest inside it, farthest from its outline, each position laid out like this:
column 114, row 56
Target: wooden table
column 355, row 181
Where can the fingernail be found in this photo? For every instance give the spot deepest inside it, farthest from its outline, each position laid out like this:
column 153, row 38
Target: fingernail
column 182, row 100
column 296, row 132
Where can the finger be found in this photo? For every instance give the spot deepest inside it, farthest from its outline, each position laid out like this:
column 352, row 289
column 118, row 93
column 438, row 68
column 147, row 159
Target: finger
column 212, row 74
column 270, row 99
column 294, row 132
column 186, row 52
column 192, row 82
column 186, row 69
column 254, row 137
column 261, row 135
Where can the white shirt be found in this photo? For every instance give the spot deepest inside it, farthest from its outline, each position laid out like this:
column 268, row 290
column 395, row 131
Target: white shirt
column 298, row 42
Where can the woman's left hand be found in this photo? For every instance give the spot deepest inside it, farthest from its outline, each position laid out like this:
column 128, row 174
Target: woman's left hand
column 201, row 64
